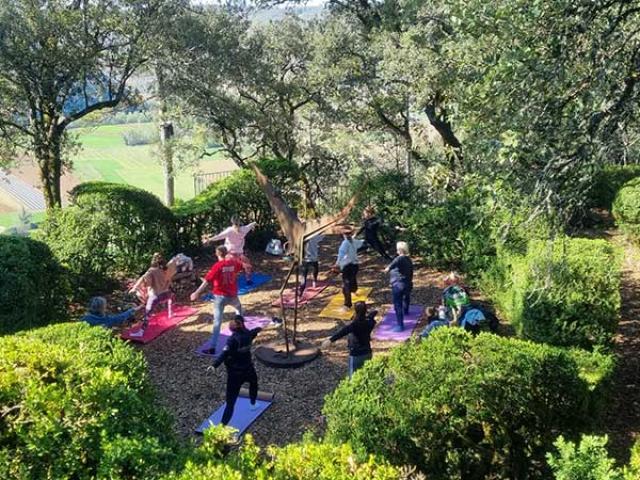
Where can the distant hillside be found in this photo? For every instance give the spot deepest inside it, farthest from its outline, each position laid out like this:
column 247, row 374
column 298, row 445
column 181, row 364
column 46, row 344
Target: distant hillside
column 278, row 13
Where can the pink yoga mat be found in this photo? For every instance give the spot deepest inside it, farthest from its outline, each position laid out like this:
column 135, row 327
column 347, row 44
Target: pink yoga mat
column 308, row 294
column 249, row 321
column 384, row 330
column 159, row 323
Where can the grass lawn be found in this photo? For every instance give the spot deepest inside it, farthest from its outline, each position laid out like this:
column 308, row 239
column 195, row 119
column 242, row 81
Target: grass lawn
column 105, row 156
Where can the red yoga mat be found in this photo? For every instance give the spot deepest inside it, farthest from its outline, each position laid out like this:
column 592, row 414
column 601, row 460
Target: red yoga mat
column 159, row 323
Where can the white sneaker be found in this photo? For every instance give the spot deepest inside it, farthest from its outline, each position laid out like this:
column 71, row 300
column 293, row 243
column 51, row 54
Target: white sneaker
column 138, row 334
column 345, row 309
column 254, row 406
column 314, row 285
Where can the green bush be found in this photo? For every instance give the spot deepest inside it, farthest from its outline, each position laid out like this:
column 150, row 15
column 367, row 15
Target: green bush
column 608, row 182
column 109, row 229
column 299, row 461
column 35, row 289
column 563, row 292
column 587, row 461
column 460, row 407
column 240, row 195
column 632, row 472
column 76, row 403
column 626, row 209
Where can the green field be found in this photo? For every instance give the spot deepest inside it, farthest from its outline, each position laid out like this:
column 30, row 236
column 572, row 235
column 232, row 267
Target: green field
column 105, row 156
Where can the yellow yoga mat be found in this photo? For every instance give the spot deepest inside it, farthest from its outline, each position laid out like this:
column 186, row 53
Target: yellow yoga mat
column 333, row 309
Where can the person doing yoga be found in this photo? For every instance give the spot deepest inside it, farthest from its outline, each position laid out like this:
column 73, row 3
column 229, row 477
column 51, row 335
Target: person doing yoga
column 370, row 226
column 401, row 279
column 348, row 264
column 234, row 237
column 310, row 261
column 236, row 357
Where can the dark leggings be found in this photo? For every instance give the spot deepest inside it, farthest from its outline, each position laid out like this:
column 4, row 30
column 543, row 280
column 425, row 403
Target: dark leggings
column 305, row 271
column 349, row 282
column 377, row 245
column 234, row 383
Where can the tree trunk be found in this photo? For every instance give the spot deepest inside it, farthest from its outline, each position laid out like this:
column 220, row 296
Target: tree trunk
column 443, row 127
column 48, row 152
column 166, row 134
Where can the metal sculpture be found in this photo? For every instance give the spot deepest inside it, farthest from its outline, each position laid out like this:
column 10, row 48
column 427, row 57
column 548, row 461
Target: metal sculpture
column 298, row 232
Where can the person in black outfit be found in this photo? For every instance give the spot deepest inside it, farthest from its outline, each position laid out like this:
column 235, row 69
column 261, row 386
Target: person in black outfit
column 359, row 331
column 236, row 356
column 401, row 279
column 370, row 227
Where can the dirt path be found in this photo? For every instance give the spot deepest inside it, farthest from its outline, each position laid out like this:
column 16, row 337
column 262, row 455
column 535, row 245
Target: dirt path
column 191, row 391
column 622, row 420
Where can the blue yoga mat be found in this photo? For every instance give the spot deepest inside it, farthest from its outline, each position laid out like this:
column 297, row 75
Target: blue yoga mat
column 258, row 279
column 242, row 417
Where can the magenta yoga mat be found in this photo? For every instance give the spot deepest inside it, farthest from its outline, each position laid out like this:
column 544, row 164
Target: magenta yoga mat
column 159, row 323
column 384, row 330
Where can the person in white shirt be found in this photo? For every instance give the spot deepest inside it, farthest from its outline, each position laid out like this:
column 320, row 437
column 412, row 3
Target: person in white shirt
column 310, row 261
column 348, row 265
column 234, row 237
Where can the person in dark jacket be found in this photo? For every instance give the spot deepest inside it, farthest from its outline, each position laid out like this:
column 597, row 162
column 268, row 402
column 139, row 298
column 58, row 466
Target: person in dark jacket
column 359, row 331
column 401, row 279
column 236, row 356
column 370, row 226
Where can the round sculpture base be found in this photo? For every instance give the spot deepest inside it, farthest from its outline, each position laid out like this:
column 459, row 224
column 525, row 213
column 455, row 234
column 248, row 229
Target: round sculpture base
column 275, row 354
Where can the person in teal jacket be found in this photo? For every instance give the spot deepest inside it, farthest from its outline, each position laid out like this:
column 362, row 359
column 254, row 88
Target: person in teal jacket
column 97, row 314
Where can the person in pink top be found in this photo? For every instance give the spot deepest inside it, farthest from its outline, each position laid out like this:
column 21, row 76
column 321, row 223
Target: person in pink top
column 233, row 237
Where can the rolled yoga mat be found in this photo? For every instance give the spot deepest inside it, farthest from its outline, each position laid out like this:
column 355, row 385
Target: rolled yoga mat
column 333, row 309
column 159, row 323
column 308, row 294
column 243, row 416
column 250, row 322
column 384, row 330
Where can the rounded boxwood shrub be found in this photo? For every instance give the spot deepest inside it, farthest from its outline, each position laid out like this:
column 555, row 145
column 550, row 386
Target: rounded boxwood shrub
column 109, row 229
column 608, row 182
column 589, row 460
column 626, row 209
column 77, row 403
column 463, row 407
column 35, row 289
column 564, row 292
column 238, row 194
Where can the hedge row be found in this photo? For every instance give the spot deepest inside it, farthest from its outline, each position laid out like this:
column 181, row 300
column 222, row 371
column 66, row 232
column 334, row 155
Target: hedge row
column 626, row 209
column 608, row 182
column 35, row 290
column 463, row 407
column 563, row 292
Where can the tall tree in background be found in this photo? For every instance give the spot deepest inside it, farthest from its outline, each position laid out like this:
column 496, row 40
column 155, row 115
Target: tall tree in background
column 61, row 60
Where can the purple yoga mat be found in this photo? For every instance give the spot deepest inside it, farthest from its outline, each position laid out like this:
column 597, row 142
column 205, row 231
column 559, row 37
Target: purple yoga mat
column 225, row 333
column 242, row 417
column 384, row 330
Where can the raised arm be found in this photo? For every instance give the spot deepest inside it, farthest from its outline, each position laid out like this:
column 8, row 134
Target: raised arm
column 195, row 295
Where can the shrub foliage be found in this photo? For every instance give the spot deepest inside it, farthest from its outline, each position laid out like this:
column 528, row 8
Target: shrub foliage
column 76, row 403
column 35, row 289
column 460, row 407
column 626, row 209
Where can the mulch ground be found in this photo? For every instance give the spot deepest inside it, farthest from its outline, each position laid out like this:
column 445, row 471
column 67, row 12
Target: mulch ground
column 191, row 390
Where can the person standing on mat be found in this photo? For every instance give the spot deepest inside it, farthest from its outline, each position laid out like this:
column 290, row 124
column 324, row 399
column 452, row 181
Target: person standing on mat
column 234, row 237
column 310, row 261
column 401, row 276
column 223, row 279
column 359, row 331
column 348, row 265
column 157, row 281
column 370, row 226
column 236, row 356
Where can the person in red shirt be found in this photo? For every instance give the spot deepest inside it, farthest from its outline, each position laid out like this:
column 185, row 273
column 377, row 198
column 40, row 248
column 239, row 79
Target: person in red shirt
column 223, row 279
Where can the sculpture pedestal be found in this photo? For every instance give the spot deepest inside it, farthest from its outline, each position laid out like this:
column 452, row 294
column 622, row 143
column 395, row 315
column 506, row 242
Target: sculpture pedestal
column 275, row 354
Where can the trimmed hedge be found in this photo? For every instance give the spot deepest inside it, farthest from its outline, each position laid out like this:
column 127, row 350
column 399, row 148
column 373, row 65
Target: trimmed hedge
column 563, row 292
column 35, row 288
column 626, row 209
column 238, row 194
column 458, row 406
column 608, row 182
column 76, row 403
column 110, row 229
column 298, row 461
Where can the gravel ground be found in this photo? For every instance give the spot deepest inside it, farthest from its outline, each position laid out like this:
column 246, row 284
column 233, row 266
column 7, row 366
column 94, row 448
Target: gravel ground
column 191, row 390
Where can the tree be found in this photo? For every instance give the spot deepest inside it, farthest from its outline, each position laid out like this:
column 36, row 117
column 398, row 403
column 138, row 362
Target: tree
column 61, row 60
